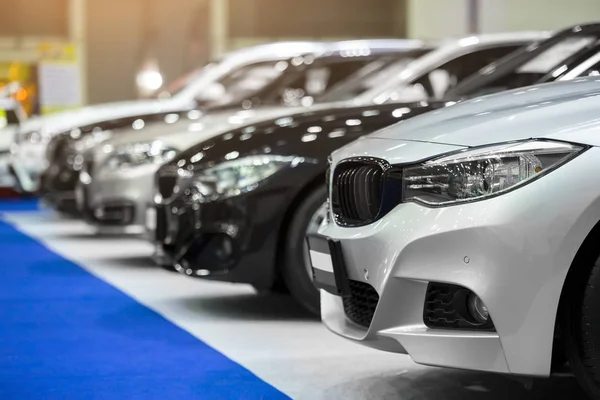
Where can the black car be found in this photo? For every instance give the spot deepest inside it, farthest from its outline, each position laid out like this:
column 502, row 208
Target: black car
column 64, row 157
column 237, row 207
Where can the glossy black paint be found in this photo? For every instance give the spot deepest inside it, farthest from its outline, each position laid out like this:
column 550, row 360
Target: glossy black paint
column 238, row 239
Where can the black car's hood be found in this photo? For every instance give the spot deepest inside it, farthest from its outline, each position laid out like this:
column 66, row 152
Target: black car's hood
column 312, row 134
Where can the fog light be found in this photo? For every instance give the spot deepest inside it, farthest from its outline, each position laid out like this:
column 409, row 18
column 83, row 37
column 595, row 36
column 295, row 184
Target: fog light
column 477, row 309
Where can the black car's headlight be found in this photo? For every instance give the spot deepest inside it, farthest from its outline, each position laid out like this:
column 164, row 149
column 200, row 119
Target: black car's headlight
column 136, row 154
column 232, row 178
column 483, row 172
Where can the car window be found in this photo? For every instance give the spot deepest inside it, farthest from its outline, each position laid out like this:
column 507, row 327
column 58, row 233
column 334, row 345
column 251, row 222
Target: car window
column 317, row 79
column 436, row 83
column 589, row 67
column 373, row 74
column 179, row 84
column 243, row 82
column 540, row 64
column 593, row 70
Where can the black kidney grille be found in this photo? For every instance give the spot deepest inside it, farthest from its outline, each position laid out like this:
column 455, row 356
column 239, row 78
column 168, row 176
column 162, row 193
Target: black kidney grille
column 165, row 181
column 361, row 303
column 357, row 193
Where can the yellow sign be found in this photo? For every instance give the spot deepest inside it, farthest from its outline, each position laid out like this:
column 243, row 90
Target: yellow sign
column 16, row 81
column 58, row 52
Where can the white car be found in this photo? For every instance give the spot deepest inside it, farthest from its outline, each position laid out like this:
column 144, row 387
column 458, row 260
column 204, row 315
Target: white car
column 468, row 237
column 199, row 88
column 126, row 186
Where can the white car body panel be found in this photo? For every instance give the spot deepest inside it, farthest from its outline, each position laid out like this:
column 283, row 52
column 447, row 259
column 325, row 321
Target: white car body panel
column 519, row 245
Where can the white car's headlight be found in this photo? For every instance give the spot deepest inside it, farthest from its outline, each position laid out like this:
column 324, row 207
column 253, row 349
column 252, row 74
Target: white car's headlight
column 232, row 178
column 483, row 172
column 136, row 154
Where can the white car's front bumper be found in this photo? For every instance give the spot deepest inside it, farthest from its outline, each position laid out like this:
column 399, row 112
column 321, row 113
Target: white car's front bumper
column 513, row 251
column 29, row 159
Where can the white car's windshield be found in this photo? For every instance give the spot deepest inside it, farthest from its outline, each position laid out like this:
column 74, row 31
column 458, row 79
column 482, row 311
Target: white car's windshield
column 243, row 82
column 370, row 76
column 179, row 84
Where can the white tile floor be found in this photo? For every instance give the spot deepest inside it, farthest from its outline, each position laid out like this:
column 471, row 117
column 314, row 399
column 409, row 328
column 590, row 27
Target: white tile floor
column 269, row 334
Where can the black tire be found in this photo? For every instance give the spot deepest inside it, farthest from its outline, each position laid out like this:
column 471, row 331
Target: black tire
column 580, row 325
column 293, row 269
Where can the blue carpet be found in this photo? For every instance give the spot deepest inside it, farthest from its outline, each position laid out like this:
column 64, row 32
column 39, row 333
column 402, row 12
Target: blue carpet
column 65, row 334
column 19, row 204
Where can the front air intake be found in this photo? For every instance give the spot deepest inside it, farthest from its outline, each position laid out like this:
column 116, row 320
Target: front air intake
column 360, row 303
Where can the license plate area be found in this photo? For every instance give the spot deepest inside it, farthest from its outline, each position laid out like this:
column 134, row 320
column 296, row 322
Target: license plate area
column 155, row 222
column 151, row 219
column 328, row 266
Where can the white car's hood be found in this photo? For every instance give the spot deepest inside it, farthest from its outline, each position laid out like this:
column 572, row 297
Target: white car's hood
column 565, row 111
column 98, row 113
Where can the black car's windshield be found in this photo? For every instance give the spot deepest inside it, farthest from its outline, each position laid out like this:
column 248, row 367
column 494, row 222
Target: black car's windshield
column 372, row 75
column 542, row 62
column 442, row 76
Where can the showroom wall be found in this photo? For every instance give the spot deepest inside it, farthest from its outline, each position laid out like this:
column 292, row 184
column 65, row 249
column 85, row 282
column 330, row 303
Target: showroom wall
column 163, row 29
column 436, row 19
column 182, row 26
column 537, row 14
column 255, row 21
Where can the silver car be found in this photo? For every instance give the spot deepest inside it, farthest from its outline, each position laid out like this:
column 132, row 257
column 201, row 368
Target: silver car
column 125, row 188
column 468, row 237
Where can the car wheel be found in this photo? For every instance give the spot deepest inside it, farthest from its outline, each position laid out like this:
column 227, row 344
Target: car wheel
column 296, row 268
column 581, row 329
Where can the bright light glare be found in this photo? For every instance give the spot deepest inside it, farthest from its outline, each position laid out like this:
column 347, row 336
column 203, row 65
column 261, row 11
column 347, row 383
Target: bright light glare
column 149, row 80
